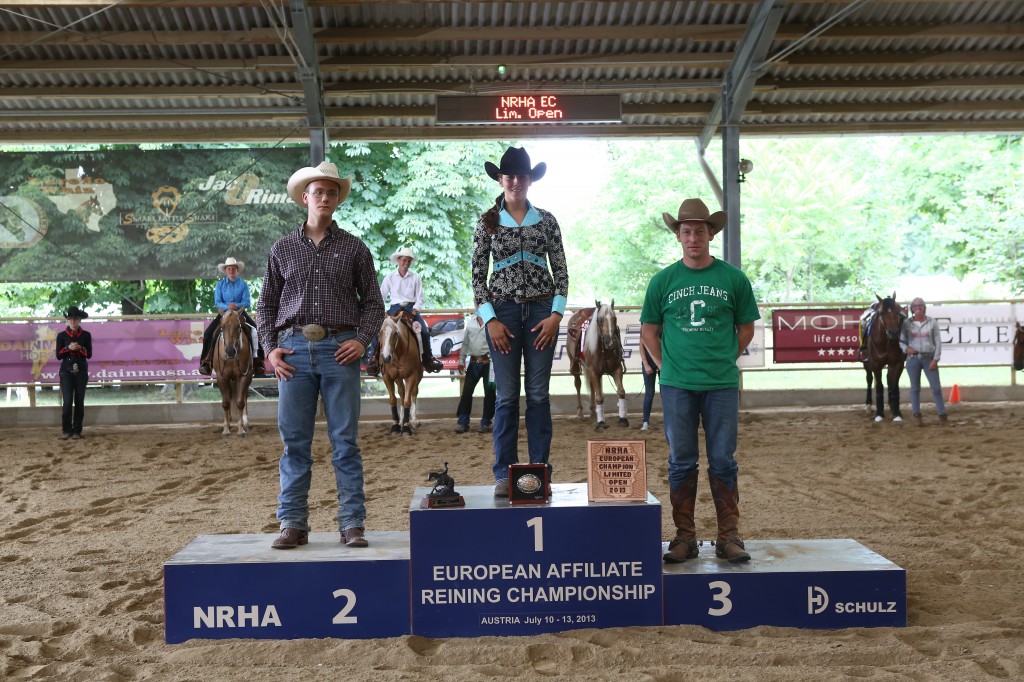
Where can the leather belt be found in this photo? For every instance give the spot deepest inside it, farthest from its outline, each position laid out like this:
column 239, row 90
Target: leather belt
column 521, row 299
column 315, row 332
column 480, row 359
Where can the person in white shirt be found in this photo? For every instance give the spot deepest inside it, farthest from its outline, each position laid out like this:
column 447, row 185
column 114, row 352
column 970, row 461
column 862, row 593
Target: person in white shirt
column 404, row 289
column 475, row 361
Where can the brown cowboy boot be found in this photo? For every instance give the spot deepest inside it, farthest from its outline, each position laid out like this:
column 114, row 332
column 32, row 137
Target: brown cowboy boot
column 429, row 363
column 373, row 364
column 728, row 546
column 205, row 366
column 684, row 545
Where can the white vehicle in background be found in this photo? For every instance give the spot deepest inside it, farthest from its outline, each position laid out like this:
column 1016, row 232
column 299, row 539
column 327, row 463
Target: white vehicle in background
column 446, row 336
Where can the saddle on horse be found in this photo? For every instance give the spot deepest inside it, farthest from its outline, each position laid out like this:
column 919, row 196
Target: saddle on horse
column 430, row 364
column 577, row 329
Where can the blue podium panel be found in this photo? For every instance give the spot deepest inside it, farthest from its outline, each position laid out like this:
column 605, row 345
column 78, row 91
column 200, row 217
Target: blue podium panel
column 816, row 584
column 491, row 568
column 223, row 586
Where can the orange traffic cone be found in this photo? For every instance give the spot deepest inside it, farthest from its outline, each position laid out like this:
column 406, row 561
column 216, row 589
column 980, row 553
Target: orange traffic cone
column 954, row 395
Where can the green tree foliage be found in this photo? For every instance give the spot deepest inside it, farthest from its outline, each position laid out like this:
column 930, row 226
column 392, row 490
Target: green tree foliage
column 965, row 203
column 424, row 195
column 823, row 218
column 618, row 240
column 813, row 228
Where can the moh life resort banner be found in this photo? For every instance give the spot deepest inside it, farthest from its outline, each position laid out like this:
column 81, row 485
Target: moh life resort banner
column 134, row 214
column 970, row 334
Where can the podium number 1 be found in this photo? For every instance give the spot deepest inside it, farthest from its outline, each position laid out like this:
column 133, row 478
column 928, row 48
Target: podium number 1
column 537, row 523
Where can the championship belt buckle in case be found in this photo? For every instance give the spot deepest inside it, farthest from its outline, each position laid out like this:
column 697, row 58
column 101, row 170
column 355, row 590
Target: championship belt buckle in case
column 527, row 483
column 314, row 332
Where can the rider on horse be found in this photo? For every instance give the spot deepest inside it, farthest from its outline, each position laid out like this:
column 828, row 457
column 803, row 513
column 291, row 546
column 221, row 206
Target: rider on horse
column 405, row 289
column 232, row 293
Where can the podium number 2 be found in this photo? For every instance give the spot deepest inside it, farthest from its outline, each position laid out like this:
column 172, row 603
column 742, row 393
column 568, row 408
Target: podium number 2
column 721, row 596
column 537, row 523
column 342, row 617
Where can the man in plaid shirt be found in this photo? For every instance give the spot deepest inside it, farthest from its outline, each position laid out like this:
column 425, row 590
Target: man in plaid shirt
column 319, row 308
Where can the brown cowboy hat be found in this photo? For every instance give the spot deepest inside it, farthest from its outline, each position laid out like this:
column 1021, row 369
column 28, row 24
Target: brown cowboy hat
column 695, row 209
column 515, row 161
column 325, row 171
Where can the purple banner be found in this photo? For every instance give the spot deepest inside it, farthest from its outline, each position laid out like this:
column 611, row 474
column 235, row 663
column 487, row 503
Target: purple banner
column 127, row 350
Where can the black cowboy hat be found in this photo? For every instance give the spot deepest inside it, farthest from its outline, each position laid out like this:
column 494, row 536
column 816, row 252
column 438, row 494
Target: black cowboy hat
column 515, row 161
column 74, row 312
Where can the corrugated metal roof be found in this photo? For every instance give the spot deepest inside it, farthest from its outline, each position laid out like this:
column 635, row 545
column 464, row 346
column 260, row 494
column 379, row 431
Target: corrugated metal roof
column 213, row 70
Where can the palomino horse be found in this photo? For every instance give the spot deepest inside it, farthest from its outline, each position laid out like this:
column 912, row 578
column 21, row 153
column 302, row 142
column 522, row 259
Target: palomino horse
column 883, row 350
column 1018, row 348
column 232, row 362
column 594, row 345
column 401, row 368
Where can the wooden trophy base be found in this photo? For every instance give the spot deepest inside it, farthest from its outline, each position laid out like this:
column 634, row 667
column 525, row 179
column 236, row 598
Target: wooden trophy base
column 442, row 501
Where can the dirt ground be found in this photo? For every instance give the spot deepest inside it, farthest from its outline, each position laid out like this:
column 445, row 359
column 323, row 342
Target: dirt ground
column 87, row 525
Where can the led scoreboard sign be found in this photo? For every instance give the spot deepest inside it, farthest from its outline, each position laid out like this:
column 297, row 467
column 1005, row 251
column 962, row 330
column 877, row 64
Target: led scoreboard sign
column 531, row 108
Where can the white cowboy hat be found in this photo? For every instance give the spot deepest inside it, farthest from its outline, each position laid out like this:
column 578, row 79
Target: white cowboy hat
column 230, row 261
column 404, row 251
column 325, row 171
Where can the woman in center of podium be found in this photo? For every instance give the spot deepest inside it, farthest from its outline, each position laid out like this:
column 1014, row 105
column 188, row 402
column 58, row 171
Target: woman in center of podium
column 521, row 305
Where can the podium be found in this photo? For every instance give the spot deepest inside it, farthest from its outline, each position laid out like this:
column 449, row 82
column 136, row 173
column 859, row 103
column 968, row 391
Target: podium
column 491, row 568
column 815, row 584
column 224, row 586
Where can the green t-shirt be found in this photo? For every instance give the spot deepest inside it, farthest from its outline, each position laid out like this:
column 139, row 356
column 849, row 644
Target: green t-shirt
column 699, row 311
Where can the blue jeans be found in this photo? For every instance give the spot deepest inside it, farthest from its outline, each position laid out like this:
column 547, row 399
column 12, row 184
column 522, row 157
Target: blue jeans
column 318, row 374
column 915, row 365
column 520, row 318
column 650, row 382
column 475, row 372
column 371, row 351
column 719, row 412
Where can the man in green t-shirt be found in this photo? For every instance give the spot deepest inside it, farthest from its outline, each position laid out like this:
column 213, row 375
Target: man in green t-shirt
column 698, row 317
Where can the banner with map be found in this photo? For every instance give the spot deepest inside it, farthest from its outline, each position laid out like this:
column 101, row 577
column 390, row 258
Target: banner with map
column 142, row 214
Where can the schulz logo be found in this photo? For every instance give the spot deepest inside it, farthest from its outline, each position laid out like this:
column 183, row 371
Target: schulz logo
column 817, row 602
column 817, row 599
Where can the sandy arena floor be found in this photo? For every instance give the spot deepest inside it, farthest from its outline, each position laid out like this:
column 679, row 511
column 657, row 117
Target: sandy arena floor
column 86, row 527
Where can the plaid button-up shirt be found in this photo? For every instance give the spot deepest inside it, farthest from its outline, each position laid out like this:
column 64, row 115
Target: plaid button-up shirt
column 330, row 284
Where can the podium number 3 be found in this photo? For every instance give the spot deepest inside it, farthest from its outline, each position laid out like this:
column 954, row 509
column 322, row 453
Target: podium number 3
column 537, row 523
column 342, row 617
column 721, row 595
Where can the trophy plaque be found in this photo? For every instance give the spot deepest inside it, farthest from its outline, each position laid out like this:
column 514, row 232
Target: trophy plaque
column 443, row 494
column 617, row 470
column 528, row 483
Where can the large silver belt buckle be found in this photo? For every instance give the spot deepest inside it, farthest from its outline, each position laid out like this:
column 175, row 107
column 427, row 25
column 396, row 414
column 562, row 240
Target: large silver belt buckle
column 314, row 332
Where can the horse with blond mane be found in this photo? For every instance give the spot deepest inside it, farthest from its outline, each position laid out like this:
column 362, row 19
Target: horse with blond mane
column 401, row 369
column 233, row 365
column 594, row 346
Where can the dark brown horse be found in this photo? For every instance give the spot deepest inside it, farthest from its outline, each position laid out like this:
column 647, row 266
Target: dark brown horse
column 401, row 369
column 233, row 364
column 594, row 345
column 883, row 350
column 1018, row 348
